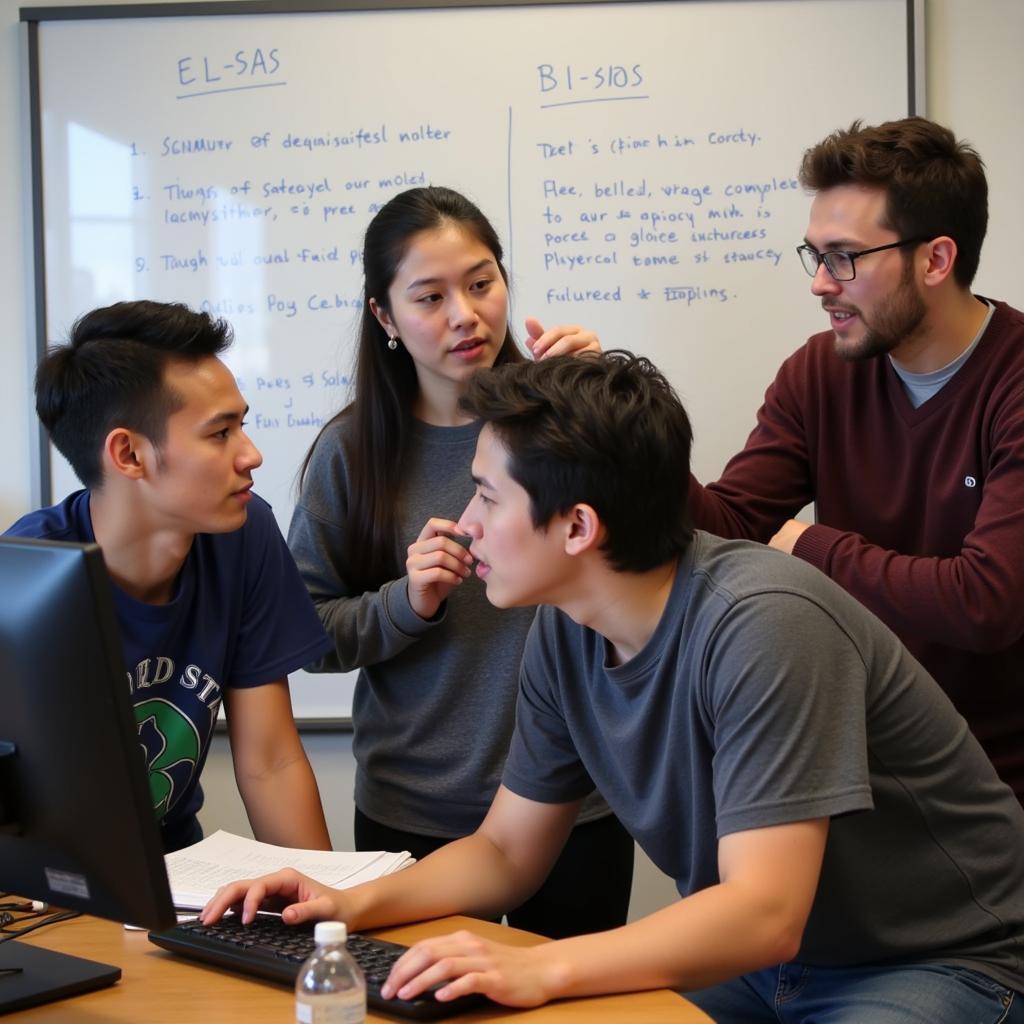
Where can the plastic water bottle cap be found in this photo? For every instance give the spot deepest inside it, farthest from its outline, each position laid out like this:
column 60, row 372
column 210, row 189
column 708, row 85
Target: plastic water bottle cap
column 330, row 932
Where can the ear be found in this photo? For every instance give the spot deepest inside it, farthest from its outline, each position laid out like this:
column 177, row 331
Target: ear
column 584, row 530
column 941, row 257
column 125, row 453
column 382, row 317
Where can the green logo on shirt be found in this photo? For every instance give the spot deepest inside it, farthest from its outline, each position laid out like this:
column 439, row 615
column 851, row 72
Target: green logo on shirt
column 171, row 745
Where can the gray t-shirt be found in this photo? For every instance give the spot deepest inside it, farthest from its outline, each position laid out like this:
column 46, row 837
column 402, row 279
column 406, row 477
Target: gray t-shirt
column 768, row 695
column 434, row 702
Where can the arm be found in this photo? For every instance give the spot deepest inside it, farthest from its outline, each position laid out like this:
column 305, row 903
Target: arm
column 971, row 598
column 365, row 627
column 753, row 918
column 958, row 585
column 968, row 596
column 765, row 484
column 274, row 776
column 484, row 874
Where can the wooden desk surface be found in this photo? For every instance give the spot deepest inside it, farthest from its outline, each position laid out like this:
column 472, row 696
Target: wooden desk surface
column 157, row 987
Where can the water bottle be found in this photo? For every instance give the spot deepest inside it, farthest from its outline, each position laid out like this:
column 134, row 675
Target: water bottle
column 330, row 988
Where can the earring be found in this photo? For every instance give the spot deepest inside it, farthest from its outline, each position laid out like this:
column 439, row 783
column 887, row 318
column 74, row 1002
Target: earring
column 393, row 342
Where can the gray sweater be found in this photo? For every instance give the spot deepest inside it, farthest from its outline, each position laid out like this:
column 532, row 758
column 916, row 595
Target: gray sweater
column 434, row 701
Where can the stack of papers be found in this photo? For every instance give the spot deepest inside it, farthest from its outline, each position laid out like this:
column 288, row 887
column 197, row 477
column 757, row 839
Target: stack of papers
column 196, row 872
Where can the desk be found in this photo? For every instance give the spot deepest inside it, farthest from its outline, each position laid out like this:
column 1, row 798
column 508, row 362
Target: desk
column 157, row 987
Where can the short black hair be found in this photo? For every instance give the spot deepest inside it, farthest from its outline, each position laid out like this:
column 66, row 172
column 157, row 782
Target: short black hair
column 934, row 184
column 604, row 429
column 110, row 373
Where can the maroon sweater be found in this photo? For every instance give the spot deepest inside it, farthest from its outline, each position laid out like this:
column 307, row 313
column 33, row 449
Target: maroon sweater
column 920, row 512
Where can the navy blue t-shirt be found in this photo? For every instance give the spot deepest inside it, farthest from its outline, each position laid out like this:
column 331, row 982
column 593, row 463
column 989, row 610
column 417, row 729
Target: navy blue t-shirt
column 240, row 616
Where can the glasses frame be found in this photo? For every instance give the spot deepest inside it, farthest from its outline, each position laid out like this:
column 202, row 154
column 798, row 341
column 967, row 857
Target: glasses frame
column 823, row 257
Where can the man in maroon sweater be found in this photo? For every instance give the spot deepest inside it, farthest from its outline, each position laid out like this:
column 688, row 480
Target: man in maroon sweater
column 904, row 422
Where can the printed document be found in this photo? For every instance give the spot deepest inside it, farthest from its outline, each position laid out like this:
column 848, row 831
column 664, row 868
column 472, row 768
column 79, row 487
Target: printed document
column 196, row 872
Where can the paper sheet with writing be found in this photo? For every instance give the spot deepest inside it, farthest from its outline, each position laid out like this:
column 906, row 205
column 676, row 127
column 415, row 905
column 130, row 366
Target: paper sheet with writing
column 196, row 872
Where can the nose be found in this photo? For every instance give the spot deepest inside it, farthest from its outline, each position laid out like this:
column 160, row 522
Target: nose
column 823, row 283
column 461, row 311
column 249, row 456
column 468, row 522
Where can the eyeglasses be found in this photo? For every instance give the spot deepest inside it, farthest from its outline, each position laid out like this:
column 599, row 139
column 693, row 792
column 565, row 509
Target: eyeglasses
column 840, row 264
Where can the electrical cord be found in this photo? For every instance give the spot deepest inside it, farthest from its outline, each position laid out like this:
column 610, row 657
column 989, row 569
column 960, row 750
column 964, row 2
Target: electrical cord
column 26, row 906
column 38, row 919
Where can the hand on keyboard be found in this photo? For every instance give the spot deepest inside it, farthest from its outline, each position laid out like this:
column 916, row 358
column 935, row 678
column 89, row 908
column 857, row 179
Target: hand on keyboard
column 299, row 899
column 461, row 964
column 268, row 948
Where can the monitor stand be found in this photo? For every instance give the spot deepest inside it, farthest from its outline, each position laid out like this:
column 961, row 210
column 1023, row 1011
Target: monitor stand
column 30, row 975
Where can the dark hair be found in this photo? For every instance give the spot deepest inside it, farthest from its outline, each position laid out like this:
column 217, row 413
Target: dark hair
column 934, row 185
column 605, row 429
column 110, row 373
column 385, row 381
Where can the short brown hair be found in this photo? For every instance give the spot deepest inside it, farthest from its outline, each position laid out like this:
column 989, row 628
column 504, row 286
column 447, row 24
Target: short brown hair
column 934, row 184
column 603, row 428
column 111, row 373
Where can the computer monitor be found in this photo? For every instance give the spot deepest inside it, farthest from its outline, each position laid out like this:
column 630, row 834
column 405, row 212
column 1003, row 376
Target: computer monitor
column 77, row 827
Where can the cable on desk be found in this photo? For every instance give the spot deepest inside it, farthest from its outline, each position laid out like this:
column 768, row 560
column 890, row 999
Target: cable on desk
column 24, row 906
column 7, row 933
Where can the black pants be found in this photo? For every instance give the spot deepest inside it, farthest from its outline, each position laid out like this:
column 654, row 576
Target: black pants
column 587, row 890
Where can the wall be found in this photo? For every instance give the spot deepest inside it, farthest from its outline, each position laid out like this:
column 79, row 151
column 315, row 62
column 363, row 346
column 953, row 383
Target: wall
column 975, row 84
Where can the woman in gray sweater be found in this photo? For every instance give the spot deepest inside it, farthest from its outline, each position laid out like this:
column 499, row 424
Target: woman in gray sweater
column 376, row 541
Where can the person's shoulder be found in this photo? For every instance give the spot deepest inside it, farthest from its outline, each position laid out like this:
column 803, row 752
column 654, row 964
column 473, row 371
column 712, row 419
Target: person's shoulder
column 997, row 363
column 337, row 433
column 63, row 521
column 1004, row 309
column 742, row 569
column 328, row 460
column 1007, row 321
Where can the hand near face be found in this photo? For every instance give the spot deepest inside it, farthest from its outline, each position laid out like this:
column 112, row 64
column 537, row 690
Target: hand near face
column 297, row 897
column 563, row 340
column 436, row 565
column 468, row 963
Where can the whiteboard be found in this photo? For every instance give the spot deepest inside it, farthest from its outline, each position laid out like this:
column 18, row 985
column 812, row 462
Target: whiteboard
column 638, row 160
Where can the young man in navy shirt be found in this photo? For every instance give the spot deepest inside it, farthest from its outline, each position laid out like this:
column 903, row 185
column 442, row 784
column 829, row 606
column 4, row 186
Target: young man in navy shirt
column 842, row 847
column 210, row 606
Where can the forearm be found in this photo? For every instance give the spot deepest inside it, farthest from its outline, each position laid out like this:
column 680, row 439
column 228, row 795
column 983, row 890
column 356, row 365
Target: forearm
column 283, row 804
column 702, row 940
column 366, row 626
column 762, row 486
column 973, row 600
column 467, row 876
column 373, row 627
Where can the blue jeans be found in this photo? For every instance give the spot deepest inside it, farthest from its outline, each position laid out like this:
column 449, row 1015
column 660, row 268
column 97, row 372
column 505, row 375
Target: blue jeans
column 901, row 994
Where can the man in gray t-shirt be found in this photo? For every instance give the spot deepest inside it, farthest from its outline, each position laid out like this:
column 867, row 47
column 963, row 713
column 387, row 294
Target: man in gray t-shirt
column 842, row 847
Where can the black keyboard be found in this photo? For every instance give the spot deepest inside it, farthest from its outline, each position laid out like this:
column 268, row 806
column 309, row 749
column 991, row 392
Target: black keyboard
column 268, row 948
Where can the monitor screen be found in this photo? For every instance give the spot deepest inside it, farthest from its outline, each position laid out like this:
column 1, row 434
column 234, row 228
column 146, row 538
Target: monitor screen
column 77, row 827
